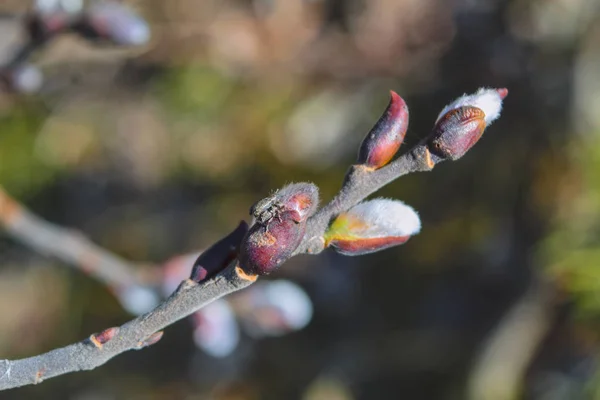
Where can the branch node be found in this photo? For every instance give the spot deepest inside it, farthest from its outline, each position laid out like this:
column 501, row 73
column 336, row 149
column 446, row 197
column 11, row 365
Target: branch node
column 6, row 373
column 186, row 285
column 39, row 376
column 243, row 275
column 99, row 339
column 150, row 340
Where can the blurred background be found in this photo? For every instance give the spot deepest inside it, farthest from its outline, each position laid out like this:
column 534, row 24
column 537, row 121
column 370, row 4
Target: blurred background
column 156, row 149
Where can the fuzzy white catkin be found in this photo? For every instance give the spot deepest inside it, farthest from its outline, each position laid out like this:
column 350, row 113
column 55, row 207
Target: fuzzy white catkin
column 386, row 217
column 488, row 100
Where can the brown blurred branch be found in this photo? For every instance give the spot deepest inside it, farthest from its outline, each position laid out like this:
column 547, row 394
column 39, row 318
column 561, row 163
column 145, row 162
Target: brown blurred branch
column 133, row 335
column 67, row 245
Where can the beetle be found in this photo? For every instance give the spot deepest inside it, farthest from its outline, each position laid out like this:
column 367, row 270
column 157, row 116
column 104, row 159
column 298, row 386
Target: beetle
column 266, row 209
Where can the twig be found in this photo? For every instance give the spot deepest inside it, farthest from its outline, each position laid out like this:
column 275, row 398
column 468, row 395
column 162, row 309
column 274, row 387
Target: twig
column 69, row 246
column 136, row 334
column 260, row 250
column 360, row 183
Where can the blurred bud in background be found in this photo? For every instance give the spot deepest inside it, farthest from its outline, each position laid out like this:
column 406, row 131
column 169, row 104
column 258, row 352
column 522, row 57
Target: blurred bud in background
column 273, row 308
column 372, row 226
column 114, row 22
column 51, row 16
column 23, row 78
column 216, row 331
column 137, row 299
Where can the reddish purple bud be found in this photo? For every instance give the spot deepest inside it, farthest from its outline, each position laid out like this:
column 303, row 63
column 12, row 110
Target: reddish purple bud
column 456, row 132
column 99, row 339
column 384, row 140
column 150, row 340
column 115, row 22
column 372, row 226
column 461, row 123
column 219, row 255
column 279, row 228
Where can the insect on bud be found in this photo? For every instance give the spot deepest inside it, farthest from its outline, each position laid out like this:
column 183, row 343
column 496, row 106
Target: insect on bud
column 372, row 226
column 461, row 123
column 115, row 22
column 384, row 140
column 279, row 228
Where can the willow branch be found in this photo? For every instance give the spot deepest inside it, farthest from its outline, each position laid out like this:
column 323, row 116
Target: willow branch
column 360, row 183
column 133, row 335
column 67, row 245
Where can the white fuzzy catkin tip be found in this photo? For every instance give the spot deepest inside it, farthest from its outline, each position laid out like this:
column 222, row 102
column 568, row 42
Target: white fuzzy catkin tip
column 386, row 217
column 488, row 100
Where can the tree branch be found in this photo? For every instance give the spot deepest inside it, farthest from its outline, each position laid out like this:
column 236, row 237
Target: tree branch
column 134, row 335
column 66, row 245
column 361, row 182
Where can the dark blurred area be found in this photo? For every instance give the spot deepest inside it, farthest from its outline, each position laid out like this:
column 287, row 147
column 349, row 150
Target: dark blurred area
column 157, row 150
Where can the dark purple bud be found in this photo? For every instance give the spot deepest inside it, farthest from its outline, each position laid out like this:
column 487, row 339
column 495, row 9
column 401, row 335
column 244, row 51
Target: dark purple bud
column 384, row 140
column 279, row 228
column 219, row 255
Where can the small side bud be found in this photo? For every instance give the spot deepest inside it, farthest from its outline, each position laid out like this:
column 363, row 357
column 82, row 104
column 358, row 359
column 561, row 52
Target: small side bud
column 219, row 255
column 99, row 339
column 384, row 140
column 150, row 340
column 461, row 123
column 114, row 22
column 279, row 228
column 372, row 226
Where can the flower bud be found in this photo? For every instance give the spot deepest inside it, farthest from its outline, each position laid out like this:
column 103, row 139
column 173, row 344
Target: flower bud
column 115, row 22
column 219, row 255
column 279, row 228
column 461, row 123
column 372, row 226
column 99, row 339
column 384, row 140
